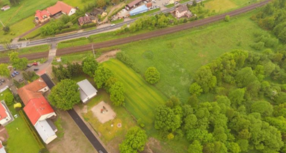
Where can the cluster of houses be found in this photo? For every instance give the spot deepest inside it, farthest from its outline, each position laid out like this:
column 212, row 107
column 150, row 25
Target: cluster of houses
column 92, row 17
column 60, row 7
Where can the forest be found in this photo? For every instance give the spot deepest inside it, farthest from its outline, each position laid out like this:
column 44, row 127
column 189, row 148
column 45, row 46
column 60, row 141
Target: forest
column 247, row 113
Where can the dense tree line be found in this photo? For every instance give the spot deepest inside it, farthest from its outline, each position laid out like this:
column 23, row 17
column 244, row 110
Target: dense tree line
column 67, row 72
column 246, row 114
column 272, row 17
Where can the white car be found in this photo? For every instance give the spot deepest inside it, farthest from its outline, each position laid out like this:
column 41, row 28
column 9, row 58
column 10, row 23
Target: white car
column 112, row 25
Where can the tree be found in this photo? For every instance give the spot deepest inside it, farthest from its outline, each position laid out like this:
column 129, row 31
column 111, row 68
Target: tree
column 89, row 65
column 6, row 29
column 134, row 141
column 18, row 63
column 65, row 95
column 102, row 74
column 195, row 89
column 205, row 78
column 117, row 94
column 152, row 75
column 227, row 18
column 236, row 96
column 244, row 77
column 9, row 98
column 4, row 71
column 166, row 120
column 234, row 148
column 195, row 147
column 173, row 101
column 262, row 107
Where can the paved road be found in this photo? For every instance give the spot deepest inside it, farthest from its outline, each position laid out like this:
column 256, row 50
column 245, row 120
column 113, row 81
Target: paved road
column 146, row 35
column 50, row 40
column 96, row 144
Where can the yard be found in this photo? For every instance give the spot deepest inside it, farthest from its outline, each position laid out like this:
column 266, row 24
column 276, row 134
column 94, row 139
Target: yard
column 141, row 98
column 21, row 139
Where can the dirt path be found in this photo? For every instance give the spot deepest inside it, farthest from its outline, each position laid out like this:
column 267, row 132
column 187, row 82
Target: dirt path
column 15, row 13
column 112, row 9
column 106, row 56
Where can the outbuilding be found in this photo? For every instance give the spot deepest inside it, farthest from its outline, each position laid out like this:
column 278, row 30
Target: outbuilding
column 87, row 91
column 138, row 10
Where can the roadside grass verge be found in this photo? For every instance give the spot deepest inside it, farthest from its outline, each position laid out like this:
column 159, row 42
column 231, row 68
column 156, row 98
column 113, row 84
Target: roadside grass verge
column 28, row 50
column 141, row 98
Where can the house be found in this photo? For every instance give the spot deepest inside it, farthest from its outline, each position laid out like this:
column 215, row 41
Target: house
column 42, row 16
column 3, row 134
column 95, row 12
column 87, row 91
column 61, row 7
column 182, row 11
column 5, row 115
column 5, row 8
column 133, row 4
column 2, row 148
column 138, row 10
column 38, row 109
column 84, row 20
column 33, row 90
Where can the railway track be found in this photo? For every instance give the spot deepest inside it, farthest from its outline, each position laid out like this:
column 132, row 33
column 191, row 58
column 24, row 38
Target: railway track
column 148, row 35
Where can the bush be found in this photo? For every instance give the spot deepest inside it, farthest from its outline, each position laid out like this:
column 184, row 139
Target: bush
column 140, row 123
column 257, row 46
column 6, row 29
column 152, row 75
column 9, row 99
column 227, row 18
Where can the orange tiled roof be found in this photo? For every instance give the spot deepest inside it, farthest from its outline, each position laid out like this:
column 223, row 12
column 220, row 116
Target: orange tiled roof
column 59, row 7
column 3, row 113
column 31, row 90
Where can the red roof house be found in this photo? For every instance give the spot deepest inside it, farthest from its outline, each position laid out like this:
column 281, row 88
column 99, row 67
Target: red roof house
column 42, row 15
column 5, row 115
column 61, row 7
column 33, row 90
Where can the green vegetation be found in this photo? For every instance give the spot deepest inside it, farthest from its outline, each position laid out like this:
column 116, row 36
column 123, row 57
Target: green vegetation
column 18, row 63
column 141, row 98
column 4, row 71
column 89, row 65
column 152, row 75
column 65, row 95
column 135, row 140
column 171, row 54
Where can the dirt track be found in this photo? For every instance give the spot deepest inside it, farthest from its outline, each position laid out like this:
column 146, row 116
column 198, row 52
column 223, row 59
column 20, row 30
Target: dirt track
column 146, row 35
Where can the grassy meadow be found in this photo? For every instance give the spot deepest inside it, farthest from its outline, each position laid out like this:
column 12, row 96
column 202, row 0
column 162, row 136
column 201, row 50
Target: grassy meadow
column 141, row 98
column 177, row 56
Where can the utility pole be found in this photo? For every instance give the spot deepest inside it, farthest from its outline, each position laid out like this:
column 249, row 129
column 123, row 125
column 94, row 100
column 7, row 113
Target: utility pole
column 93, row 51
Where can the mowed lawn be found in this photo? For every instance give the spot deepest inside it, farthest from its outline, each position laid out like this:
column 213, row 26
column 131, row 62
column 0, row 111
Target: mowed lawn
column 177, row 56
column 220, row 6
column 141, row 98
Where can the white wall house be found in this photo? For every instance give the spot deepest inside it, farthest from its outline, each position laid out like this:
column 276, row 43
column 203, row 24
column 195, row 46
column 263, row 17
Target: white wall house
column 87, row 91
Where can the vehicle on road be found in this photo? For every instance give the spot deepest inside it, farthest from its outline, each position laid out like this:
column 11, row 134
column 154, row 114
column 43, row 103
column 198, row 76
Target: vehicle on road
column 112, row 25
column 35, row 64
column 29, row 65
column 36, row 69
column 2, row 80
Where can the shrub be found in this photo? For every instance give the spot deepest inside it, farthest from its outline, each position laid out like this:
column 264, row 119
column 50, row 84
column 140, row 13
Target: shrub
column 140, row 123
column 152, row 75
column 227, row 18
column 6, row 29
column 9, row 99
column 257, row 46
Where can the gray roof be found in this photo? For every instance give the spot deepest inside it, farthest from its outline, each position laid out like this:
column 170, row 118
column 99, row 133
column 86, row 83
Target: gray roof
column 86, row 89
column 44, row 129
column 182, row 8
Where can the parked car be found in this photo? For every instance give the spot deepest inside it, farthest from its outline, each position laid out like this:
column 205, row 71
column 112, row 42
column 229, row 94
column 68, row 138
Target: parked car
column 29, row 65
column 35, row 64
column 112, row 25
column 0, row 83
column 20, row 80
column 12, row 75
column 15, row 72
column 2, row 80
column 36, row 69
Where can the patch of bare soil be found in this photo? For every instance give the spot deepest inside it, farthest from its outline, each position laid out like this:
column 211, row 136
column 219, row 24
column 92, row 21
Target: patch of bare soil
column 106, row 56
column 73, row 140
column 152, row 143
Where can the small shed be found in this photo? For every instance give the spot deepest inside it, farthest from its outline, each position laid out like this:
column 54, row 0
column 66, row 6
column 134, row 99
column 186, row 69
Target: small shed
column 138, row 10
column 87, row 91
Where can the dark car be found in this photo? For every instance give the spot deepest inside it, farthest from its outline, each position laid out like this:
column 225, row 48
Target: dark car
column 2, row 80
column 36, row 69
column 15, row 72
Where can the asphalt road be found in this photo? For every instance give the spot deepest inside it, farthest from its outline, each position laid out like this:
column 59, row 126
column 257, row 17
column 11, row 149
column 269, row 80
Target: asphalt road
column 93, row 140
column 50, row 40
column 141, row 36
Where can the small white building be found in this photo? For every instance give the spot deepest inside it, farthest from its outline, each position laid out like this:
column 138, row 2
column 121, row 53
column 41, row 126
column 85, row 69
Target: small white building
column 45, row 130
column 5, row 116
column 87, row 91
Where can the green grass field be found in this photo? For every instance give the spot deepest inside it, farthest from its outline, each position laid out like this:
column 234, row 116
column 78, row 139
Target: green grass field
column 21, row 139
column 177, row 56
column 141, row 98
